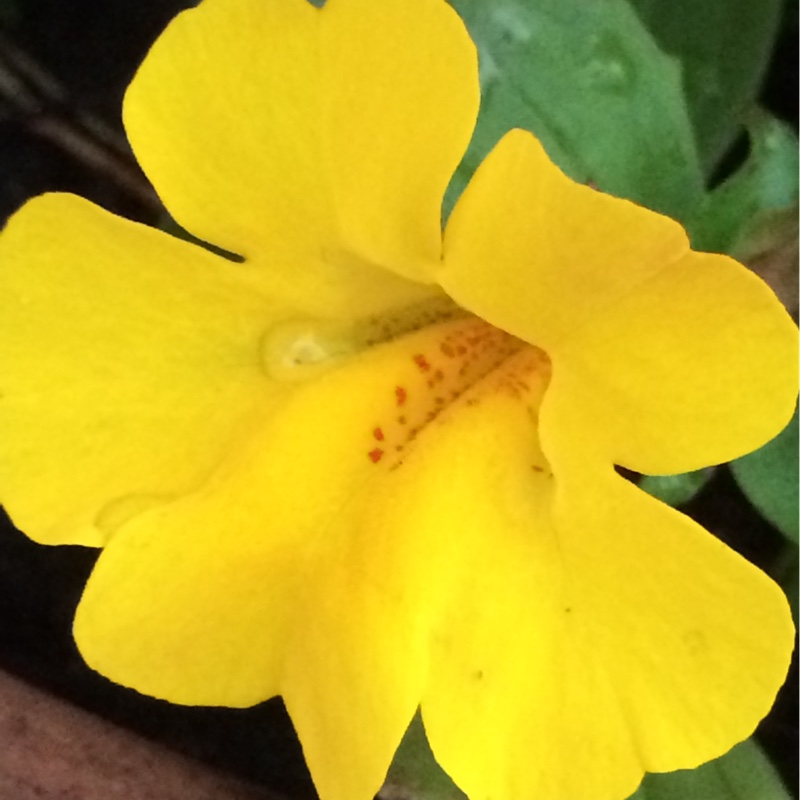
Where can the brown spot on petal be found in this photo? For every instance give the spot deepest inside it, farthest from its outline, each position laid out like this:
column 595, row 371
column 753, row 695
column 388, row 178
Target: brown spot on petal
column 422, row 362
column 459, row 363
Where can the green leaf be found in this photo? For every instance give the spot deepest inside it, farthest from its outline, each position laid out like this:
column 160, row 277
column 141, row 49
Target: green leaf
column 769, row 477
column 589, row 80
column 676, row 490
column 414, row 773
column 786, row 571
column 724, row 47
column 744, row 773
column 739, row 216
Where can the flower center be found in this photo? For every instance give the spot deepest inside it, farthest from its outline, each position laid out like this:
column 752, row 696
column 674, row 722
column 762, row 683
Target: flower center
column 457, row 365
column 416, row 368
column 298, row 350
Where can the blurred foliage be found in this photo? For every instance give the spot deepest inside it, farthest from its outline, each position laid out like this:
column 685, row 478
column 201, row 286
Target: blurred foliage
column 739, row 217
column 787, row 572
column 724, row 48
column 590, row 82
column 414, row 773
column 744, row 773
column 642, row 98
column 676, row 490
column 769, row 477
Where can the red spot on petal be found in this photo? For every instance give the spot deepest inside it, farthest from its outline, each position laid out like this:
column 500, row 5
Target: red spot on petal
column 400, row 395
column 378, row 434
column 375, row 455
column 422, row 362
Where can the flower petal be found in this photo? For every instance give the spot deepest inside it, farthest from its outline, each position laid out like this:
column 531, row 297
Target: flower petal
column 348, row 122
column 295, row 554
column 582, row 648
column 539, row 255
column 696, row 367
column 129, row 365
column 687, row 358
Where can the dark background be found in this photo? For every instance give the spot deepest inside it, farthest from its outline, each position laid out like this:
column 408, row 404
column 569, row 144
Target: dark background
column 69, row 62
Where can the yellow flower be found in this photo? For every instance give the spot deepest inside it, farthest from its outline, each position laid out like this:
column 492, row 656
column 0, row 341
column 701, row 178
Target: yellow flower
column 371, row 467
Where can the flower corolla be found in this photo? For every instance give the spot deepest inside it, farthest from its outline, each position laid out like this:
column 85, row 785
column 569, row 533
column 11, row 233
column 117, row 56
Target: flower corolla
column 370, row 465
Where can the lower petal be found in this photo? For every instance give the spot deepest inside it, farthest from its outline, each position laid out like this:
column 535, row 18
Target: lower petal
column 592, row 634
column 297, row 568
column 695, row 638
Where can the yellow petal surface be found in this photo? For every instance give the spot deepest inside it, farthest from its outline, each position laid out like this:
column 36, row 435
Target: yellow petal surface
column 696, row 367
column 686, row 359
column 316, row 142
column 581, row 648
column 129, row 365
column 293, row 570
column 539, row 255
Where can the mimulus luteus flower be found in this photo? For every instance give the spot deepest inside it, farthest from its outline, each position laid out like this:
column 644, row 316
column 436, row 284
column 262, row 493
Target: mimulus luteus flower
column 371, row 467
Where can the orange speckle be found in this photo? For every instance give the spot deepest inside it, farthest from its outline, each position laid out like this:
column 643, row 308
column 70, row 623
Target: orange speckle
column 422, row 362
column 537, row 468
column 378, row 434
column 400, row 395
column 375, row 455
column 448, row 350
column 438, row 376
column 401, row 420
column 462, row 350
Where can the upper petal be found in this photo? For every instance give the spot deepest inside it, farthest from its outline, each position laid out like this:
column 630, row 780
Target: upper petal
column 314, row 141
column 539, row 255
column 688, row 358
column 129, row 365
